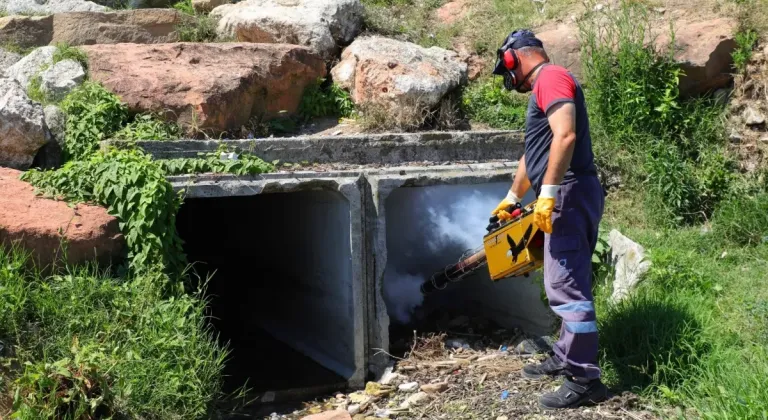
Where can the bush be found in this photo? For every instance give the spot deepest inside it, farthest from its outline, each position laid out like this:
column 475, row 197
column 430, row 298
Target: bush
column 743, row 219
column 488, row 102
column 93, row 115
column 240, row 164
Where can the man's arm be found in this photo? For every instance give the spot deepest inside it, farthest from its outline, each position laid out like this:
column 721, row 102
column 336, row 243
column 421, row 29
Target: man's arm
column 562, row 121
column 521, row 183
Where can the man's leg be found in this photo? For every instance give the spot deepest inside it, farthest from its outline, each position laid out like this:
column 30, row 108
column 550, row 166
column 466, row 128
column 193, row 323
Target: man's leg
column 568, row 284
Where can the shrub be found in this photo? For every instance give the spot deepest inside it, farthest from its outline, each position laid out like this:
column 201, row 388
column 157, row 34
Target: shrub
column 487, row 102
column 93, row 115
column 185, row 6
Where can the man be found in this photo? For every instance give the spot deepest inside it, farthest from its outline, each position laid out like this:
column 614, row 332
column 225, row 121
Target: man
column 559, row 166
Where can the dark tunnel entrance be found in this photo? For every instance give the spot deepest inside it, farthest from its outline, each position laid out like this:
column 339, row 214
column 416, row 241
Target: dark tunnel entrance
column 281, row 291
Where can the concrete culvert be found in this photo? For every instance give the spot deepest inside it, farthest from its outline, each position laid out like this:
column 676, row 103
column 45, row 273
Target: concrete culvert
column 430, row 227
column 282, row 292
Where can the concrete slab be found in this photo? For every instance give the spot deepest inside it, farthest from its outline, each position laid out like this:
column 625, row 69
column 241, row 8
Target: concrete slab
column 362, row 149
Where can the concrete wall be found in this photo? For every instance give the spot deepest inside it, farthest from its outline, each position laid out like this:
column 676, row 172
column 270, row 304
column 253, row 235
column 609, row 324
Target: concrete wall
column 300, row 245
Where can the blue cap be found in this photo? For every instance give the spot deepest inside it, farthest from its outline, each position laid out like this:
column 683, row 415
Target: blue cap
column 515, row 40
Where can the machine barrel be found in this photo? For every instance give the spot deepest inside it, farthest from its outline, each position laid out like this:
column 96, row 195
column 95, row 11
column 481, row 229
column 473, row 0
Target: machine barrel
column 468, row 263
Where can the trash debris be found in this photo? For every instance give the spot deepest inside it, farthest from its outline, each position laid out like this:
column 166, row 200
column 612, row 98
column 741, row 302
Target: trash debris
column 353, row 409
column 504, row 395
column 409, row 387
column 415, row 400
column 435, row 388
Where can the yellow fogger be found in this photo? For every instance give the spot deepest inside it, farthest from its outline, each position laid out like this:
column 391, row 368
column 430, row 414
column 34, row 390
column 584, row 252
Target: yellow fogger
column 512, row 248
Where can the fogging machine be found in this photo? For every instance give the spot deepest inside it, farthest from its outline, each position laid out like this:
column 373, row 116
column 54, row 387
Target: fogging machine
column 512, row 248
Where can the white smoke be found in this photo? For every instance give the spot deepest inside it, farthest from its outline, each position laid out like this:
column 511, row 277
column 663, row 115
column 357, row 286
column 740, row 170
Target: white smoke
column 445, row 224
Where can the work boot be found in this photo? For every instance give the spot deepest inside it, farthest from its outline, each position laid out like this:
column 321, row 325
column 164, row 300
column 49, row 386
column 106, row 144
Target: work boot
column 550, row 367
column 575, row 392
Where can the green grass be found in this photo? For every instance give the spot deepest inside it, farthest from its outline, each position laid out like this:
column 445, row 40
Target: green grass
column 66, row 52
column 113, row 346
column 488, row 102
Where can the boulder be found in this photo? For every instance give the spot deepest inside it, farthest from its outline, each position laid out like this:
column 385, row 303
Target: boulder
column 703, row 49
column 136, row 4
column 22, row 126
column 39, row 225
column 563, row 48
column 7, row 59
column 629, row 263
column 28, row 67
column 56, row 120
column 147, row 26
column 26, row 31
column 58, row 80
column 399, row 76
column 206, row 6
column 318, row 24
column 49, row 7
column 211, row 87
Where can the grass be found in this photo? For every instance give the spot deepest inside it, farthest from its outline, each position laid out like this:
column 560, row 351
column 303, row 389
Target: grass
column 195, row 27
column 488, row 102
column 107, row 346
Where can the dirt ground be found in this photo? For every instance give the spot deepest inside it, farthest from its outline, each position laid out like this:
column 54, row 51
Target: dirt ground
column 470, row 372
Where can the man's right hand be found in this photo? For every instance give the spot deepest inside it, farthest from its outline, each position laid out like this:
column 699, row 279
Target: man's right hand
column 501, row 210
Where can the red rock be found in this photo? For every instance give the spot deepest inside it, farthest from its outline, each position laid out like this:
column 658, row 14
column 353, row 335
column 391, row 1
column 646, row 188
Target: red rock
column 39, row 224
column 209, row 87
column 562, row 45
column 329, row 415
column 704, row 50
column 452, row 11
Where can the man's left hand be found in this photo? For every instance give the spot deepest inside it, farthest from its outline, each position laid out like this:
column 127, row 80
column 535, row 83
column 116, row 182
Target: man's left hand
column 545, row 204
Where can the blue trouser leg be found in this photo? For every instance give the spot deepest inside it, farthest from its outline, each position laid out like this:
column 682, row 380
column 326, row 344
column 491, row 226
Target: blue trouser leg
column 568, row 273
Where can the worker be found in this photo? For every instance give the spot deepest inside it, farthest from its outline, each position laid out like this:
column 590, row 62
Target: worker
column 558, row 165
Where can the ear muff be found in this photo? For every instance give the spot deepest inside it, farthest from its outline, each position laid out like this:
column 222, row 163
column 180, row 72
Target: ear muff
column 510, row 59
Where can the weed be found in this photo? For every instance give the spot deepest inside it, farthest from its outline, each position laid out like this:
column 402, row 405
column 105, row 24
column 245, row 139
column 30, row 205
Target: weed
column 328, row 100
column 745, row 43
column 217, row 162
column 743, row 219
column 66, row 52
column 93, row 114
column 487, row 102
column 92, row 346
column 16, row 48
column 185, row 6
column 199, row 28
column 148, row 127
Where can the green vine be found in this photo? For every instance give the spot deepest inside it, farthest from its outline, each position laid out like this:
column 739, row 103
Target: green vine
column 133, row 188
column 217, row 162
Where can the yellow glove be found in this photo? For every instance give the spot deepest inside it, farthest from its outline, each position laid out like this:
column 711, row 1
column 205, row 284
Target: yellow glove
column 545, row 204
column 501, row 210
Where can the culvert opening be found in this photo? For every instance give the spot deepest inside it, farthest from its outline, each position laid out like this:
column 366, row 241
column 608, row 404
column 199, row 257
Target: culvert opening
column 281, row 292
column 428, row 228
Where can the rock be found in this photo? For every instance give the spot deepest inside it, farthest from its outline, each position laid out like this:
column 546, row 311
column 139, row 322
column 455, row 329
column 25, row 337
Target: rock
column 217, row 87
column 148, row 26
column 206, row 6
column 353, row 409
column 401, row 77
column 704, row 50
column 39, row 224
column 7, row 59
column 26, row 31
column 321, row 25
column 630, row 264
column 56, row 120
column 753, row 117
column 416, row 400
column 330, row 415
column 28, row 67
column 22, row 126
column 563, row 48
column 535, row 345
column 49, row 7
column 435, row 388
column 409, row 387
column 452, row 11
column 58, row 80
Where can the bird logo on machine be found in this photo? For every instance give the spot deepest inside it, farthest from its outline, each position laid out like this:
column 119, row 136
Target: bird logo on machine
column 515, row 249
